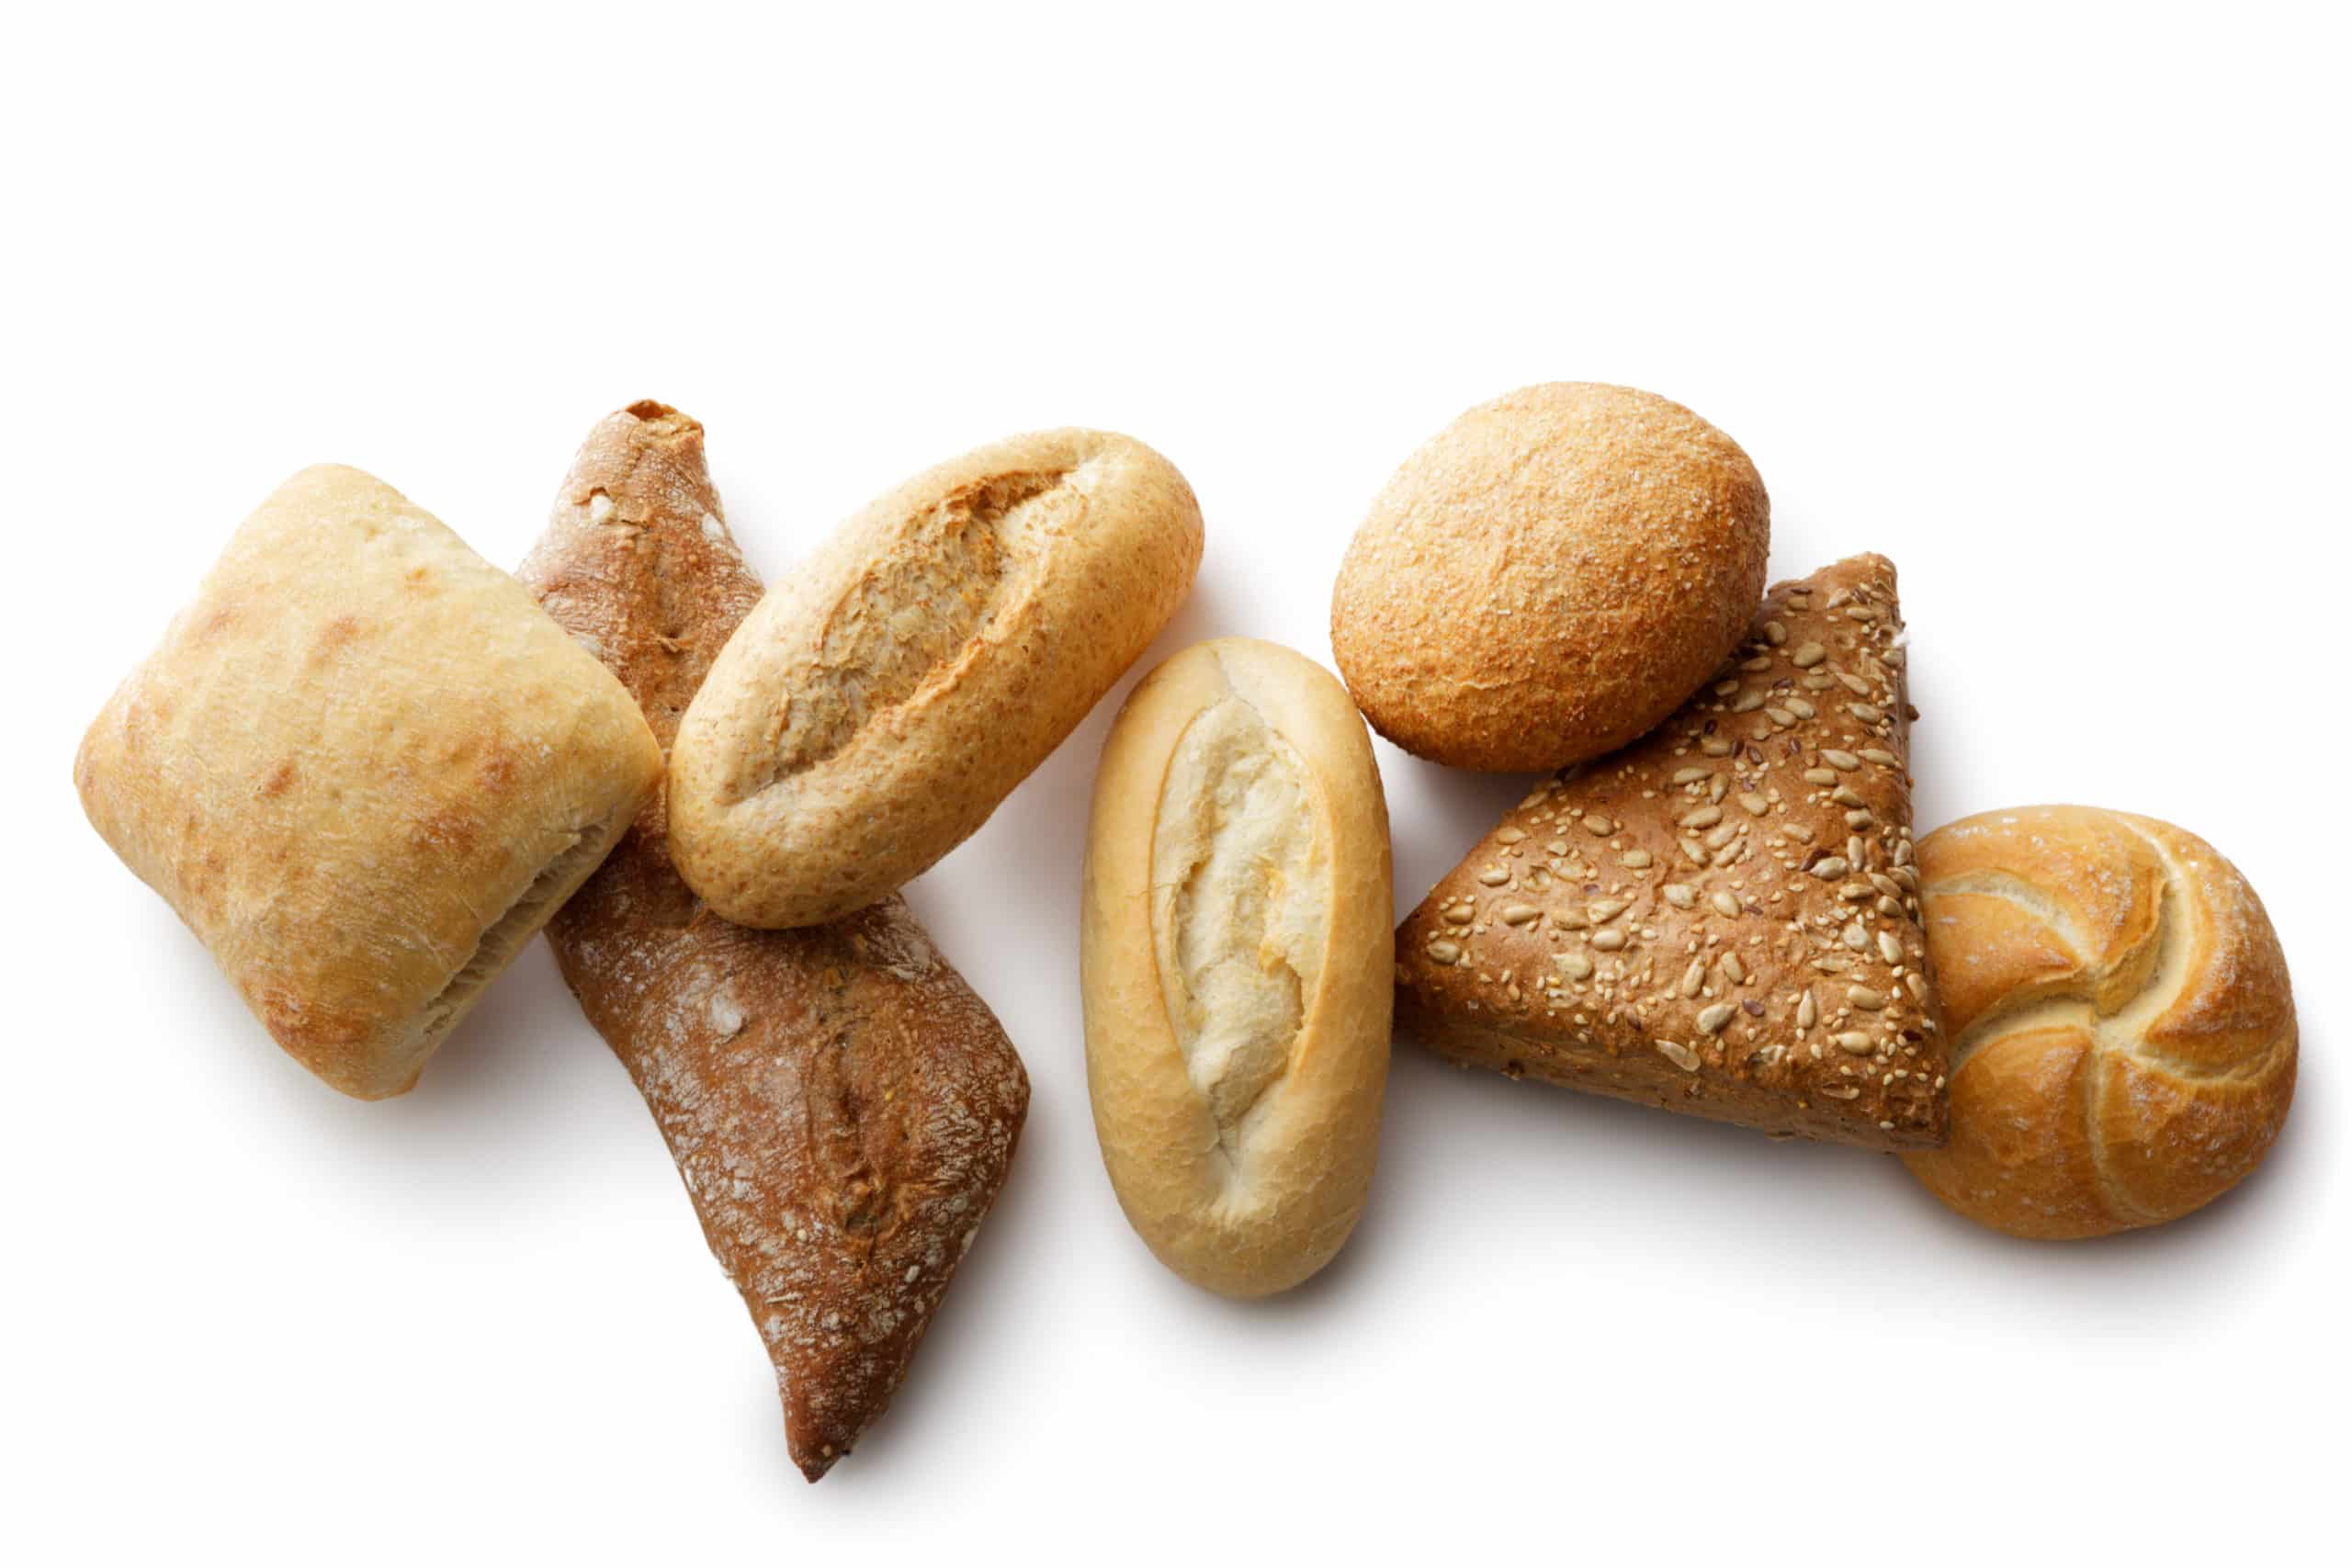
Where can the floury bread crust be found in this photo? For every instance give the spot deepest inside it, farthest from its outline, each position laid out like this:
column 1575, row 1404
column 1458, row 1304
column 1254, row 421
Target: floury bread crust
column 2124, row 1037
column 843, row 1109
column 1549, row 577
column 1235, row 951
column 1724, row 918
column 891, row 691
column 364, row 769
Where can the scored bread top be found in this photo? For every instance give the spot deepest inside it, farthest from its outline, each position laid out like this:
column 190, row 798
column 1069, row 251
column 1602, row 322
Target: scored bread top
column 1721, row 920
column 894, row 687
column 2123, row 1031
column 1235, row 951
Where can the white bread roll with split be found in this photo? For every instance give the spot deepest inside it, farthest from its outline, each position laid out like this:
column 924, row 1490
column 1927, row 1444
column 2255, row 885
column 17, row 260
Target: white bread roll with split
column 893, row 688
column 1236, row 962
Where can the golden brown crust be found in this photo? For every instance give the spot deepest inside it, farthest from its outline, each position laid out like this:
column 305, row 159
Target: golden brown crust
column 364, row 767
column 1549, row 576
column 1235, row 951
column 1721, row 920
column 843, row 1109
column 889, row 692
column 2123, row 1031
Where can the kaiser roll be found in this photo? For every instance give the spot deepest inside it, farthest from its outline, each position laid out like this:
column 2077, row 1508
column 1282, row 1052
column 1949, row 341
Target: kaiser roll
column 2123, row 1036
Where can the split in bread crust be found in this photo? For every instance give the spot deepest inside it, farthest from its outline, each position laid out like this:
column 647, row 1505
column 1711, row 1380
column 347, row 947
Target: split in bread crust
column 2124, row 1037
column 894, row 688
column 1235, row 950
column 1723, row 919
column 841, row 1107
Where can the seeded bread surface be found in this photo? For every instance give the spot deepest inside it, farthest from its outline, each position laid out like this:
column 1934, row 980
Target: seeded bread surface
column 2123, row 1031
column 1724, row 919
column 842, row 1108
column 1549, row 576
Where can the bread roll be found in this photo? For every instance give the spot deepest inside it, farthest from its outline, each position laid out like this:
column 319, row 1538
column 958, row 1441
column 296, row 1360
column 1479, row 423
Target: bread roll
column 896, row 685
column 1236, row 953
column 842, row 1108
column 2123, row 1031
column 1549, row 577
column 1721, row 920
column 364, row 768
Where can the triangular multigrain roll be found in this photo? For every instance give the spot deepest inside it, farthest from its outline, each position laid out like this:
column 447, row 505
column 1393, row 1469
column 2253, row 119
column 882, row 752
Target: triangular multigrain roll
column 1723, row 919
column 841, row 1105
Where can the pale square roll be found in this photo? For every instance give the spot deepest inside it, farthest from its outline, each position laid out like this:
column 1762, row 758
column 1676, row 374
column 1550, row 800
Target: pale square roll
column 364, row 768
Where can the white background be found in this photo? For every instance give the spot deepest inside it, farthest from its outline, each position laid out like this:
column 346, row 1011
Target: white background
column 2048, row 306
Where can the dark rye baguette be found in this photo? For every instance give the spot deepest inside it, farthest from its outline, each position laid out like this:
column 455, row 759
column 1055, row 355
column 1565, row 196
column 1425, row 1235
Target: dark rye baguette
column 1724, row 918
column 841, row 1107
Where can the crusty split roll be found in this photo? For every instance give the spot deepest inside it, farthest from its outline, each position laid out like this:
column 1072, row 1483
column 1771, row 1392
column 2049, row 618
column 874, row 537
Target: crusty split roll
column 1235, row 964
column 891, row 691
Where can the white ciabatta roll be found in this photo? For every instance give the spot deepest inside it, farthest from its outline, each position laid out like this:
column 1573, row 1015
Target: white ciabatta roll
column 1235, row 964
column 894, row 686
column 365, row 767
column 2123, row 1032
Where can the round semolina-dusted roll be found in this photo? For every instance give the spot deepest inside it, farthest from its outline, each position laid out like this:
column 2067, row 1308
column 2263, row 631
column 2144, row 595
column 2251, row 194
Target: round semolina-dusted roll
column 2123, row 1031
column 1549, row 577
column 1236, row 962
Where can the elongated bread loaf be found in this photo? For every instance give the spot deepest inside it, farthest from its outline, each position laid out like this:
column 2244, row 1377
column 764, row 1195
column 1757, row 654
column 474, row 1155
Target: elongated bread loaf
column 842, row 1108
column 364, row 769
column 1235, row 964
column 894, row 688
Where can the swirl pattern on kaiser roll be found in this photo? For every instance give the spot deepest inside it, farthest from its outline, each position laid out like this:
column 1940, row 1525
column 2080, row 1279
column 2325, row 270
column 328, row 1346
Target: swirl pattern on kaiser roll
column 1549, row 577
column 2123, row 1031
column 896, row 685
column 1236, row 962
